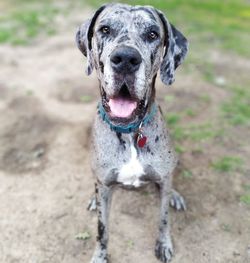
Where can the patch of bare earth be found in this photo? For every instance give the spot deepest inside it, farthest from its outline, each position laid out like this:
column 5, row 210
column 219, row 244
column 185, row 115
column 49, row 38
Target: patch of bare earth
column 45, row 177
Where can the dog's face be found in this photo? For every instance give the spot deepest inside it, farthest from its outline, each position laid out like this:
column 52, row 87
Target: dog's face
column 127, row 46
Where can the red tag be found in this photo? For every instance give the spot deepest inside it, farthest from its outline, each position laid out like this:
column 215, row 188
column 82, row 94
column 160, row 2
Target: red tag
column 141, row 140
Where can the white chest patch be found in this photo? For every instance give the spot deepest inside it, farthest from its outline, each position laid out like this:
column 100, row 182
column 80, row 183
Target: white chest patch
column 130, row 172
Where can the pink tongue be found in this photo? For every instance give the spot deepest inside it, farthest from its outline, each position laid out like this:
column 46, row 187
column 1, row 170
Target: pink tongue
column 122, row 108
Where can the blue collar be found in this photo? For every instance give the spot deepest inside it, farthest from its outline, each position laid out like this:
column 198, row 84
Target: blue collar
column 126, row 128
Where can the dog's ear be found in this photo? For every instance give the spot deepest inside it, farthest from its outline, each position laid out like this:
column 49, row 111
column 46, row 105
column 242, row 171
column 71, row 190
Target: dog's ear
column 84, row 36
column 176, row 47
column 81, row 37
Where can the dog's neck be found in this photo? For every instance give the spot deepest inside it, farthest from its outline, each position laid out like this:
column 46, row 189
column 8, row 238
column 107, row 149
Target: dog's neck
column 131, row 127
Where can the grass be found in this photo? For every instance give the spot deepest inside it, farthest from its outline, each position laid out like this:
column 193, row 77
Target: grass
column 83, row 236
column 130, row 243
column 21, row 26
column 169, row 98
column 208, row 23
column 207, row 71
column 187, row 174
column 209, row 74
column 179, row 149
column 202, row 132
column 237, row 110
column 222, row 24
column 227, row 164
column 245, row 199
column 178, row 133
column 190, row 113
column 198, row 133
column 172, row 119
column 86, row 98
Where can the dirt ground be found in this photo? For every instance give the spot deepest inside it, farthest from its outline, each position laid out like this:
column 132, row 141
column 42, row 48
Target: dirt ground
column 47, row 105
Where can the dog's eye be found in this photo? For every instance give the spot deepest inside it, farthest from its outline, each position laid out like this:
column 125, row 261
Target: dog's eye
column 105, row 30
column 152, row 35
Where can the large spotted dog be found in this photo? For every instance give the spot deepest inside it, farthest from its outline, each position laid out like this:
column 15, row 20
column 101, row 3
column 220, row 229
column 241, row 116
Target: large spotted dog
column 127, row 45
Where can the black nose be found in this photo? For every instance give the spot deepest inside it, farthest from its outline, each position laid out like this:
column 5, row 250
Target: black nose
column 125, row 60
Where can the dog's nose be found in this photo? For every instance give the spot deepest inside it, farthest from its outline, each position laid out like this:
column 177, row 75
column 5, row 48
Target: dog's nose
column 125, row 60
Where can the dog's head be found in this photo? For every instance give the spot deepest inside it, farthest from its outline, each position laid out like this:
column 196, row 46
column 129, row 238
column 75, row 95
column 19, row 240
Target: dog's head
column 127, row 45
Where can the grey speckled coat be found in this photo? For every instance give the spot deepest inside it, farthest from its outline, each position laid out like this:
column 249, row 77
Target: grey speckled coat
column 116, row 158
column 111, row 151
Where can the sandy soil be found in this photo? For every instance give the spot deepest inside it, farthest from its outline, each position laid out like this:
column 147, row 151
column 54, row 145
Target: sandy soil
column 45, row 177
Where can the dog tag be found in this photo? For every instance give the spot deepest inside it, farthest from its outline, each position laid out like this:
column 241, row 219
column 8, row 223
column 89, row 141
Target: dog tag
column 141, row 140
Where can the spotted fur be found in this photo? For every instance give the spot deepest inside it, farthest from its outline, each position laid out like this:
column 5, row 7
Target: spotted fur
column 129, row 25
column 116, row 159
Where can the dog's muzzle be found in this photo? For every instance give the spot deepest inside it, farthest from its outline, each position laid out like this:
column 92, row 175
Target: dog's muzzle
column 125, row 60
column 123, row 104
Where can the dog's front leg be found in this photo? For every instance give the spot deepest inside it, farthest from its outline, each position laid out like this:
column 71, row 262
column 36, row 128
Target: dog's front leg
column 104, row 195
column 164, row 247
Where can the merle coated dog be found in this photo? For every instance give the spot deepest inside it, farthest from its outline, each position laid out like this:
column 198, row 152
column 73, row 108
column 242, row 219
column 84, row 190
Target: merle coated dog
column 127, row 45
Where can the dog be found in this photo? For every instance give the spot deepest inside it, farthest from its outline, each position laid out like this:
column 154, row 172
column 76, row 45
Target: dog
column 131, row 147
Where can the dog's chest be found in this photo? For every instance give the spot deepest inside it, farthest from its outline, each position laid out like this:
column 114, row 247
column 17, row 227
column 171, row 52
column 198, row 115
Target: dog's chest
column 130, row 172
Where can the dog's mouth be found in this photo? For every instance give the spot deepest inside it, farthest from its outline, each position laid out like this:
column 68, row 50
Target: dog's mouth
column 123, row 106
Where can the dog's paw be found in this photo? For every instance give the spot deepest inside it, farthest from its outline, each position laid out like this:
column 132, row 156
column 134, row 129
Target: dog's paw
column 164, row 250
column 177, row 201
column 92, row 206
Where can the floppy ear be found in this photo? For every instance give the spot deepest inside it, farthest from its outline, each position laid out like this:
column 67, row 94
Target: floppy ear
column 84, row 36
column 81, row 37
column 176, row 47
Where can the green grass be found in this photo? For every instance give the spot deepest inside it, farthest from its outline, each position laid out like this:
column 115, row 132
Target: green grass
column 172, row 119
column 190, row 113
column 169, row 98
column 227, row 164
column 130, row 243
column 178, row 133
column 237, row 109
column 208, row 72
column 245, row 199
column 187, row 174
column 201, row 132
column 83, row 236
column 86, row 98
column 179, row 149
column 207, row 23
column 21, row 26
column 210, row 23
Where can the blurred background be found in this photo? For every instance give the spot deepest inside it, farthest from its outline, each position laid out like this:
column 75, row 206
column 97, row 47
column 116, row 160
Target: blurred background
column 47, row 105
